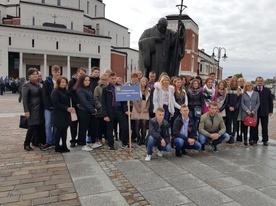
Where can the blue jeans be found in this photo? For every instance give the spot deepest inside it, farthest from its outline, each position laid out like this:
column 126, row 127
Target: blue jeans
column 157, row 143
column 49, row 130
column 167, row 113
column 179, row 143
column 203, row 139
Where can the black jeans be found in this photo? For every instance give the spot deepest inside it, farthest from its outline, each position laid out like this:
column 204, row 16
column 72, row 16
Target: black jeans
column 85, row 122
column 34, row 134
column 123, row 125
column 101, row 128
column 231, row 118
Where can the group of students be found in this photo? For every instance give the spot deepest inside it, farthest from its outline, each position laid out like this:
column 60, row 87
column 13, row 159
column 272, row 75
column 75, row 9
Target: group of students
column 192, row 113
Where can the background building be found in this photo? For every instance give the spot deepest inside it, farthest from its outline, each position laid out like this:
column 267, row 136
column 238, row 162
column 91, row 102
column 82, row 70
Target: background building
column 41, row 33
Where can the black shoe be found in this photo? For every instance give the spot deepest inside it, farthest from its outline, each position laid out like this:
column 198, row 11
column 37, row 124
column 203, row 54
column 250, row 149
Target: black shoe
column 251, row 142
column 239, row 139
column 64, row 149
column 46, row 147
column 215, row 149
column 231, row 140
column 265, row 144
column 28, row 148
column 178, row 153
column 245, row 143
column 203, row 147
column 183, row 151
column 112, row 148
column 72, row 144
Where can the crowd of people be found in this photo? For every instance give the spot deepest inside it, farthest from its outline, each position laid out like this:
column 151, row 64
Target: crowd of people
column 173, row 112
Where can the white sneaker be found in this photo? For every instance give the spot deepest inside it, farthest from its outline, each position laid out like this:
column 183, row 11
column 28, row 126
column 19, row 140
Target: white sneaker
column 86, row 148
column 159, row 154
column 96, row 145
column 148, row 157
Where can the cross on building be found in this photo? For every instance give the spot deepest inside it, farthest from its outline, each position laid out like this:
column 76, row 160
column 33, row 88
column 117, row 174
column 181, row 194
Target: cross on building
column 54, row 18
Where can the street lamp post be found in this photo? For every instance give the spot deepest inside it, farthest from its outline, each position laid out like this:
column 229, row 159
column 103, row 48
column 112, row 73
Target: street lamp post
column 220, row 50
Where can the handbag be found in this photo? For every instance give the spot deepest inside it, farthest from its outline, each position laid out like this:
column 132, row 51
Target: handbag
column 23, row 122
column 73, row 114
column 250, row 121
column 197, row 111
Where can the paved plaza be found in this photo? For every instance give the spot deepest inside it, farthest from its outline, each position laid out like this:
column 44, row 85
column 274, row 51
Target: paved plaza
column 236, row 175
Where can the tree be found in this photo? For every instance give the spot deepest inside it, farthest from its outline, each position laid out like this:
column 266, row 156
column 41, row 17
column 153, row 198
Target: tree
column 239, row 75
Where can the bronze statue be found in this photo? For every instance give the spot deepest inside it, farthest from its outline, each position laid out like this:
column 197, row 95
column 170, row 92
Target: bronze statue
column 161, row 49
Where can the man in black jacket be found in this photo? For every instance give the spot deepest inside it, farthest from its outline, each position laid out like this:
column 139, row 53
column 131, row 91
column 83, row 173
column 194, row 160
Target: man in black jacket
column 265, row 110
column 112, row 109
column 158, row 135
column 183, row 133
column 48, row 86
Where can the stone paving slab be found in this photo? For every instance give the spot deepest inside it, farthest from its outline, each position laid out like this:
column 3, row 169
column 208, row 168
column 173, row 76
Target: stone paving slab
column 207, row 196
column 109, row 198
column 246, row 195
column 161, row 197
column 185, row 182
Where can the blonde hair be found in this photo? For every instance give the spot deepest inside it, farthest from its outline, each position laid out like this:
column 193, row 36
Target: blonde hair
column 234, row 78
column 246, row 85
column 163, row 78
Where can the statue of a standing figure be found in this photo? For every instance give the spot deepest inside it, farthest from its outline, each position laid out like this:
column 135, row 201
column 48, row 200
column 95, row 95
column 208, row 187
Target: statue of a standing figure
column 161, row 49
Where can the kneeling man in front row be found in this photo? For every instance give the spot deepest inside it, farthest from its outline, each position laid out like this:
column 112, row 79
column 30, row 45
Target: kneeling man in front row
column 184, row 133
column 212, row 128
column 158, row 134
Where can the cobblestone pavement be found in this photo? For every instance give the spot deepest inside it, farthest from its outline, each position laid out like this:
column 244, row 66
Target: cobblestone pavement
column 237, row 175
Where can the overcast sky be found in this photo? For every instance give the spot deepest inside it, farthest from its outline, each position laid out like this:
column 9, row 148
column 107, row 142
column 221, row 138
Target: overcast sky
column 245, row 28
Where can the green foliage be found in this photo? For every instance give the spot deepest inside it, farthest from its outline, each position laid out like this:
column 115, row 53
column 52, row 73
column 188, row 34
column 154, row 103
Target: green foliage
column 238, row 75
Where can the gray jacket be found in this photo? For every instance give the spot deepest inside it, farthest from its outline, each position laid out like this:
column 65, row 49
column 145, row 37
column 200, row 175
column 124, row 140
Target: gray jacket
column 248, row 103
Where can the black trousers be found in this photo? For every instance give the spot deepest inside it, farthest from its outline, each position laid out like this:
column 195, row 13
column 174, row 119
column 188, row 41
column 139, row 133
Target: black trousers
column 61, row 133
column 123, row 125
column 93, row 129
column 74, row 130
column 34, row 134
column 85, row 123
column 101, row 128
column 264, row 124
column 231, row 122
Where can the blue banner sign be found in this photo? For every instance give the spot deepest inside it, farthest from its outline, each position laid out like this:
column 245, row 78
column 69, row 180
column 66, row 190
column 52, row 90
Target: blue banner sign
column 127, row 93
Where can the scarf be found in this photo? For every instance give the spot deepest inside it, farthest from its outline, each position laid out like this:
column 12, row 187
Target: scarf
column 208, row 95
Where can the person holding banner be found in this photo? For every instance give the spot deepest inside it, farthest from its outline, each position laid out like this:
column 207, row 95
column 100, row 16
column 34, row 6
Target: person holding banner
column 112, row 109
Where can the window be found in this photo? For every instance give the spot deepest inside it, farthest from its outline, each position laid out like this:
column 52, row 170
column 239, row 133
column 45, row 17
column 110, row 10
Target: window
column 116, row 38
column 99, row 49
column 123, row 41
column 108, row 33
column 95, row 10
column 33, row 43
column 87, row 8
column 33, row 22
column 79, row 4
column 79, row 47
column 193, row 43
column 72, row 25
column 58, row 2
column 10, row 41
column 43, row 1
column 57, row 45
column 97, row 29
column 192, row 64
